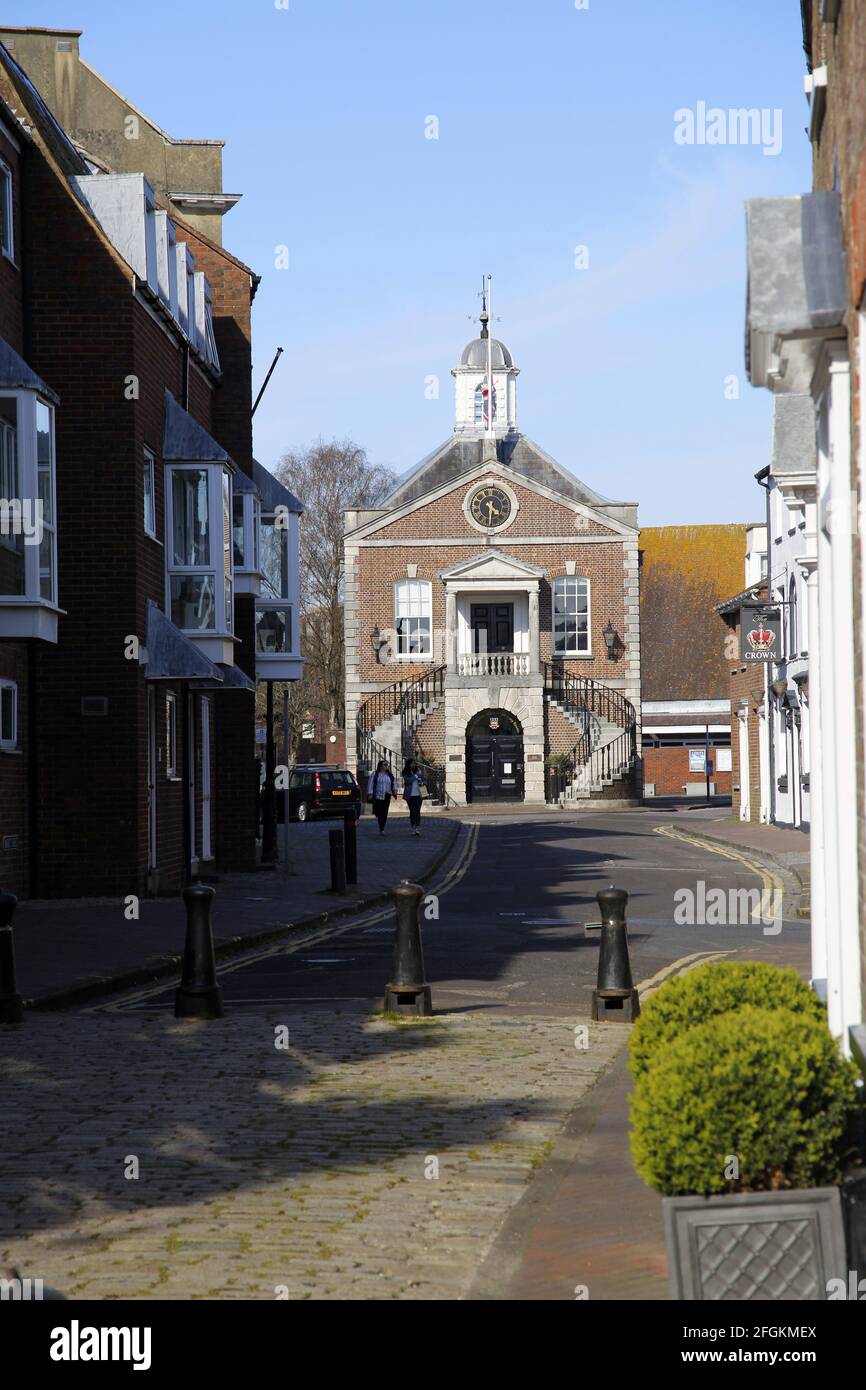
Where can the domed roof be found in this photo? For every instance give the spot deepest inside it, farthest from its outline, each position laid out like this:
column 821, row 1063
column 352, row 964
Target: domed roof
column 475, row 354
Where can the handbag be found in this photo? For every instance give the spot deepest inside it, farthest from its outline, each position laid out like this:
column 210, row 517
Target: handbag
column 423, row 791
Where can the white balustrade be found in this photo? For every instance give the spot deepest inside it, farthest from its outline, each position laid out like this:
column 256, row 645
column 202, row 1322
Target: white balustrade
column 493, row 664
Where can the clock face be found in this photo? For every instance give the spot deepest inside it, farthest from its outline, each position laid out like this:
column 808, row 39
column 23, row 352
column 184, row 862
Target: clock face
column 490, row 506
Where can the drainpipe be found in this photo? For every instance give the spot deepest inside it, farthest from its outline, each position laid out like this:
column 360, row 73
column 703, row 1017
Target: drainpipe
column 763, row 480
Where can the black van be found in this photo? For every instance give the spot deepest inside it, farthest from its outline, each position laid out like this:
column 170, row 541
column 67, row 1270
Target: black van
column 316, row 790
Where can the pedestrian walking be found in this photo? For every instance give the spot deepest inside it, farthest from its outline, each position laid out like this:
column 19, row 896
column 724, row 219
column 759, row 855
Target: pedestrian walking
column 414, row 792
column 380, row 788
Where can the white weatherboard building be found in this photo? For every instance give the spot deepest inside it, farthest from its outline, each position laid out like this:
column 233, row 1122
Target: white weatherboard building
column 797, row 347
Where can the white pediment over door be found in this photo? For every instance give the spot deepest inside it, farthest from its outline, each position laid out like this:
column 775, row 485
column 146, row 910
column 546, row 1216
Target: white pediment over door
column 492, row 566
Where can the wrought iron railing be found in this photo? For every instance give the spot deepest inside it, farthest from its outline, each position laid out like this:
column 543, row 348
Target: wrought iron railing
column 408, row 700
column 576, row 694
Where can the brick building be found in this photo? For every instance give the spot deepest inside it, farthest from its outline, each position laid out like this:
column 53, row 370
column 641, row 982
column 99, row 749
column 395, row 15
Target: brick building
column 686, row 571
column 491, row 608
column 805, row 338
column 132, row 636
column 749, row 703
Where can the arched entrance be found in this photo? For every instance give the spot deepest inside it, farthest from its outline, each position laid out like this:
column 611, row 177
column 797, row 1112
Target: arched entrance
column 494, row 757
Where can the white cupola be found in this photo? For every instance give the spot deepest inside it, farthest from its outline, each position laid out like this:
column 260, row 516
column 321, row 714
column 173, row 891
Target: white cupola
column 471, row 395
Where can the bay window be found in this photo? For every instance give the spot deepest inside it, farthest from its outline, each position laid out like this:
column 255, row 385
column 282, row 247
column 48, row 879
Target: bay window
column 7, row 233
column 199, row 552
column 273, row 613
column 571, row 630
column 246, row 526
column 28, row 532
column 149, row 495
column 8, row 714
column 413, row 617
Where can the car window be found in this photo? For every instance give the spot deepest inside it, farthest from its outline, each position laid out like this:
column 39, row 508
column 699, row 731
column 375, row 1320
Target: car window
column 337, row 780
column 295, row 780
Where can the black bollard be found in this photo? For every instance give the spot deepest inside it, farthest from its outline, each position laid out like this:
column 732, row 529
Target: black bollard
column 614, row 997
column 408, row 991
column 199, row 995
column 338, row 861
column 350, row 835
column 11, row 1003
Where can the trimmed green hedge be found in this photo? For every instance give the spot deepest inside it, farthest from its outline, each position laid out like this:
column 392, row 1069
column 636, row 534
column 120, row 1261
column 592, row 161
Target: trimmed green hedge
column 701, row 994
column 767, row 1085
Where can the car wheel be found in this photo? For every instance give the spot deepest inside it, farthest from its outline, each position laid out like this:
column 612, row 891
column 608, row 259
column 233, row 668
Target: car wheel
column 303, row 811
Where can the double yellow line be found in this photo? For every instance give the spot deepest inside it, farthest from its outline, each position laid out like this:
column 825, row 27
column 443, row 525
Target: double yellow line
column 773, row 888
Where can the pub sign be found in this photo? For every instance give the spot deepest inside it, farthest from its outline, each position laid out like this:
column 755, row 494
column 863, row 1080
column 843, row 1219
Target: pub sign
column 760, row 632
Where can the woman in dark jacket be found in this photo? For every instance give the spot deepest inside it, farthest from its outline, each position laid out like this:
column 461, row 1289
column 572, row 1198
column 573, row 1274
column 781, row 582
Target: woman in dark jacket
column 413, row 781
column 380, row 788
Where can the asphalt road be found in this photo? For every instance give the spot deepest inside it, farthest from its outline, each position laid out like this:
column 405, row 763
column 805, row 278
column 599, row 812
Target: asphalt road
column 510, row 934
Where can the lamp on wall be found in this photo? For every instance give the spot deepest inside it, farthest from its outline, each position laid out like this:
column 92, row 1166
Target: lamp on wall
column 378, row 642
column 779, row 687
column 611, row 639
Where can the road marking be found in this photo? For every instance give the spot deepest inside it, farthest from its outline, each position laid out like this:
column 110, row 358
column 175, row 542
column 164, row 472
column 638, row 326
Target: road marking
column 772, row 883
column 647, row 987
column 306, row 938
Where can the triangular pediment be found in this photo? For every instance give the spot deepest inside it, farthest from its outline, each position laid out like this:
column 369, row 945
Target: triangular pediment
column 486, row 471
column 492, row 564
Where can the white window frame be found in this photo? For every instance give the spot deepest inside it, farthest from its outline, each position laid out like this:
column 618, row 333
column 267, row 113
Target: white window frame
column 27, row 404
column 220, row 561
column 7, row 223
column 171, row 736
column 562, row 581
column 150, row 490
column 478, row 404
column 425, row 589
column 7, row 744
column 251, row 527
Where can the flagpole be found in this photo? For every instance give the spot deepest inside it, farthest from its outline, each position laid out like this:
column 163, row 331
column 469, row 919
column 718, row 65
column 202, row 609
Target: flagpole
column 489, row 356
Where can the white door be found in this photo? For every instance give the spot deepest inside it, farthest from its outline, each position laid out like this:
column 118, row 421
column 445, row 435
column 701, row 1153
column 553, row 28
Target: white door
column 745, row 779
column 206, row 852
column 151, row 779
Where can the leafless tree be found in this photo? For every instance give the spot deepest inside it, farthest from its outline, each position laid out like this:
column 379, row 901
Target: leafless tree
column 328, row 477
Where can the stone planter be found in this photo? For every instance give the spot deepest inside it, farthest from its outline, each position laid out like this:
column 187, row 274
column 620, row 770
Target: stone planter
column 755, row 1246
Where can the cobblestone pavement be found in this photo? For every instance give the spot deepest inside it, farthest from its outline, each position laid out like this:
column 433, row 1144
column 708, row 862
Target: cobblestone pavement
column 267, row 1173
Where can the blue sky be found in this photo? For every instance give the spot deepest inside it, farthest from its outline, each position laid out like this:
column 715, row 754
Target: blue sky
column 556, row 130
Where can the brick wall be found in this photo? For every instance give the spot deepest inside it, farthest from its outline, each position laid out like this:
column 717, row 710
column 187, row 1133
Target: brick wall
column 14, row 774
column 86, row 335
column 536, row 516
column 431, row 736
column 668, row 768
column 378, row 568
column 11, row 319
column 747, row 691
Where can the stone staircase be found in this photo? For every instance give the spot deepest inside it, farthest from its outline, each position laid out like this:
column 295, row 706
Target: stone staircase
column 393, row 733
column 604, row 722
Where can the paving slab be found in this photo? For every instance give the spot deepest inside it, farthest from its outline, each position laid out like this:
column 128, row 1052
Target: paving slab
column 71, row 947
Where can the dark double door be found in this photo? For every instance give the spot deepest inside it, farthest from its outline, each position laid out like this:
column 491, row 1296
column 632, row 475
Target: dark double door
column 492, row 627
column 495, row 768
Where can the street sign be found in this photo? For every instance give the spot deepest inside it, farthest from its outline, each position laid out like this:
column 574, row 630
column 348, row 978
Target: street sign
column 760, row 632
